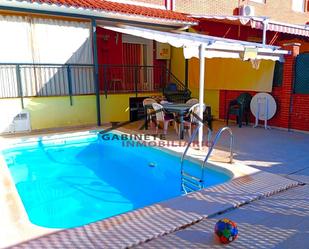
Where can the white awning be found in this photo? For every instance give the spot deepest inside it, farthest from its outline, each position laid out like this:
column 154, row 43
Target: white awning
column 258, row 23
column 203, row 46
column 215, row 47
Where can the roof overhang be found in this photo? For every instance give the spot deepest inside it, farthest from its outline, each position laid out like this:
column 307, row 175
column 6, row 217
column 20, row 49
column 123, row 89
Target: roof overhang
column 84, row 12
column 258, row 23
column 215, row 47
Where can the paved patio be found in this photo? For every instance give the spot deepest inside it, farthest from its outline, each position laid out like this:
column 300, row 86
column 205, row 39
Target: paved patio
column 278, row 221
column 275, row 151
column 146, row 224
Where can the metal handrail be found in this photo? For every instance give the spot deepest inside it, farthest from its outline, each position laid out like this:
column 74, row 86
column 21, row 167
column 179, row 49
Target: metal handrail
column 218, row 135
column 179, row 83
column 195, row 132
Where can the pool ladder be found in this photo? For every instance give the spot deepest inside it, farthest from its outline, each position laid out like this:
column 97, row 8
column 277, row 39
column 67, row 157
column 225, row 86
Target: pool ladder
column 190, row 183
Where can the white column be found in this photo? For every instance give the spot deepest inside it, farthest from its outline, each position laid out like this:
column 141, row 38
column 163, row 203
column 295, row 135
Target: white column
column 265, row 27
column 201, row 93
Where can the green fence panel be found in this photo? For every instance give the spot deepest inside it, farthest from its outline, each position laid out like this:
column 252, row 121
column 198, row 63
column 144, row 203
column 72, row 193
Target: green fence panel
column 301, row 81
column 278, row 74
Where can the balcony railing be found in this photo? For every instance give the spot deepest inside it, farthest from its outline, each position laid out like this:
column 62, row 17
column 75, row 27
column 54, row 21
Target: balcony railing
column 28, row 80
column 127, row 78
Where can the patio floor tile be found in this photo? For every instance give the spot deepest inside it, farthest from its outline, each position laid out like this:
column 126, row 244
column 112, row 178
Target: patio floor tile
column 280, row 221
column 155, row 221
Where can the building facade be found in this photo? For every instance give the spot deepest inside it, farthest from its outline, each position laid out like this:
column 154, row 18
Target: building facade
column 61, row 67
column 114, row 67
column 291, row 11
column 286, row 27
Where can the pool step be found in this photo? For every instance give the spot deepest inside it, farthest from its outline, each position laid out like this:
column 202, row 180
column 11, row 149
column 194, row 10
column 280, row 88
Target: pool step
column 191, row 183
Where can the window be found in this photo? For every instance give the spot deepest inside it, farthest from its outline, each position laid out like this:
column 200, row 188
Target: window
column 139, row 51
column 298, row 5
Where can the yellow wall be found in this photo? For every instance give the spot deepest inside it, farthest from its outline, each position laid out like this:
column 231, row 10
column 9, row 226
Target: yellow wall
column 211, row 97
column 55, row 112
column 178, row 69
column 51, row 112
column 229, row 74
column 234, row 74
column 116, row 107
column 178, row 63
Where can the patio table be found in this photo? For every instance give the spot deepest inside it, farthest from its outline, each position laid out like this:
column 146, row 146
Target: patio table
column 181, row 110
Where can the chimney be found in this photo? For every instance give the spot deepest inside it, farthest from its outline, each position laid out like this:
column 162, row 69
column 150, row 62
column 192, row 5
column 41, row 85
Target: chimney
column 170, row 4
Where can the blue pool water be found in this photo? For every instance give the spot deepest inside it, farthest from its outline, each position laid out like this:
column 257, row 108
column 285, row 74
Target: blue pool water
column 70, row 182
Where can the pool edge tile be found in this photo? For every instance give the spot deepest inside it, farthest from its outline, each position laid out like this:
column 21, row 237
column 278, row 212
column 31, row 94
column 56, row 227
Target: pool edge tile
column 138, row 226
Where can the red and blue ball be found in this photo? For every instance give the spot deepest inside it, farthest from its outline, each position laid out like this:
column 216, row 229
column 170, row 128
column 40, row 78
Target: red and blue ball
column 226, row 230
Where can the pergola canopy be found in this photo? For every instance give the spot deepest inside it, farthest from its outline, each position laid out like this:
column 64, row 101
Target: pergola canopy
column 203, row 46
column 258, row 23
column 215, row 47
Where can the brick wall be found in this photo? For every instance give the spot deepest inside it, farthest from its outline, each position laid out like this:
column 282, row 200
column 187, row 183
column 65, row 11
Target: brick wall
column 286, row 14
column 225, row 97
column 147, row 3
column 300, row 112
column 299, row 118
column 229, row 7
column 216, row 7
column 292, row 109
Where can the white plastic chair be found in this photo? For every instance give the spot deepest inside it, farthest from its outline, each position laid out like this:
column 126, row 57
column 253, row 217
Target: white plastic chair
column 192, row 101
column 194, row 112
column 162, row 117
column 148, row 102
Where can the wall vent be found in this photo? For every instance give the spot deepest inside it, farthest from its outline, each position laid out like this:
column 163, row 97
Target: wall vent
column 20, row 123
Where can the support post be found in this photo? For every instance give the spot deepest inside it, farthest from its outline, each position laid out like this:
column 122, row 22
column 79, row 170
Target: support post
column 201, row 92
column 105, row 80
column 186, row 73
column 19, row 86
column 265, row 27
column 69, row 75
column 187, row 70
column 287, row 92
column 135, row 80
column 162, row 85
column 96, row 69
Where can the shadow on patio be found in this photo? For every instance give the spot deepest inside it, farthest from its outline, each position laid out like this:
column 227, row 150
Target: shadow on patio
column 280, row 221
column 275, row 151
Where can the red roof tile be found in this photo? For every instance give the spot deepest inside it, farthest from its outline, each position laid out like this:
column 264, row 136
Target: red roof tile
column 120, row 8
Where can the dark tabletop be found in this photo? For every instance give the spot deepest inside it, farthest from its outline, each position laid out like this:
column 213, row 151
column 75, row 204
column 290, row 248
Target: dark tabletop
column 176, row 107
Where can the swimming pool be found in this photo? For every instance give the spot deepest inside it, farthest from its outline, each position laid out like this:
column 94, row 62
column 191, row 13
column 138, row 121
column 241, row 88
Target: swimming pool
column 70, row 181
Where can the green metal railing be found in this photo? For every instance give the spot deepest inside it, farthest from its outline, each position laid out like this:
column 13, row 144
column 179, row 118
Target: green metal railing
column 20, row 80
